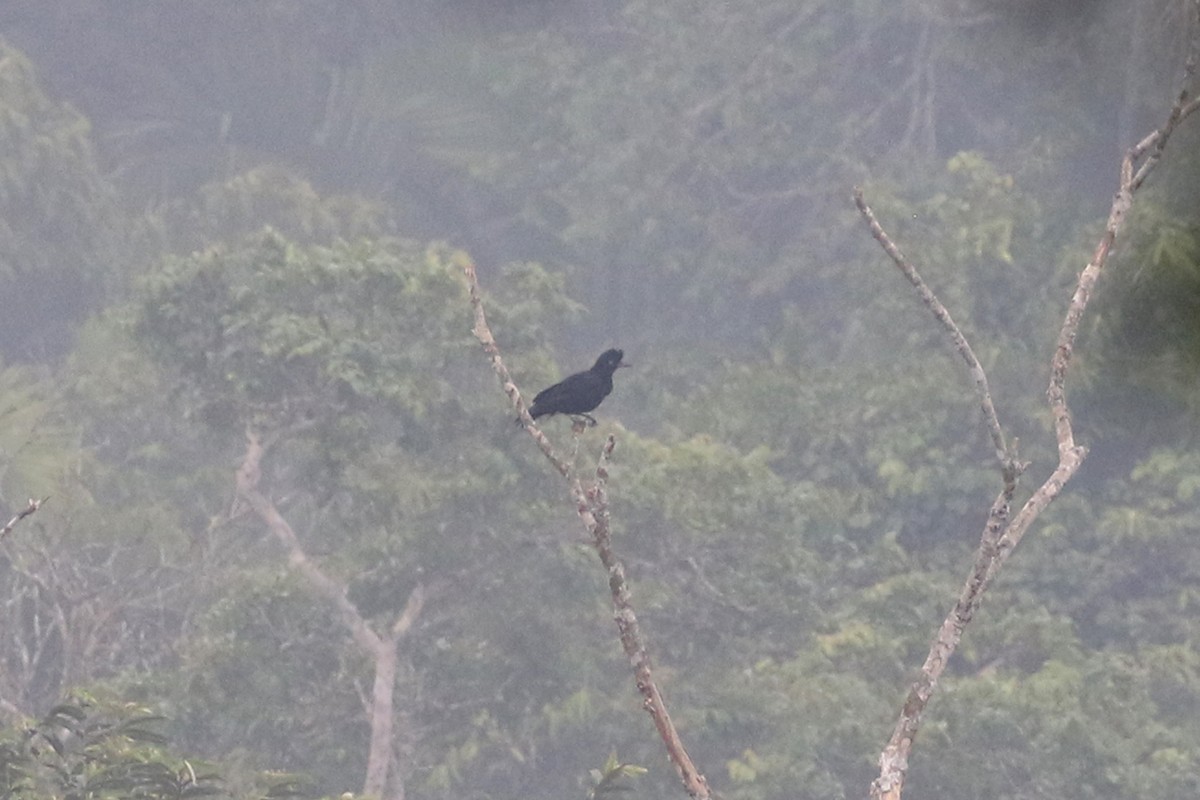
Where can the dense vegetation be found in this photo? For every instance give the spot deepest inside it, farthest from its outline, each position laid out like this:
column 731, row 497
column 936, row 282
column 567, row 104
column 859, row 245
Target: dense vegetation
column 225, row 218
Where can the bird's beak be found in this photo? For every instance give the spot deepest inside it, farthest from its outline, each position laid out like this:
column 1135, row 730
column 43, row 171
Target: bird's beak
column 624, row 364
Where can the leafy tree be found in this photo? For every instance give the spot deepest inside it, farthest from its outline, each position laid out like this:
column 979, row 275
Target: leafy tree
column 61, row 223
column 350, row 361
column 264, row 196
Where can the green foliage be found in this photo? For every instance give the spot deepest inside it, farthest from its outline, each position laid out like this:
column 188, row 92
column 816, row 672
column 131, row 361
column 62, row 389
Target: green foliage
column 356, row 361
column 801, row 476
column 607, row 781
column 278, row 335
column 270, row 196
column 263, row 330
column 1146, row 333
column 59, row 222
column 803, row 725
column 38, row 447
column 268, row 670
column 1115, row 560
column 357, row 354
column 1043, row 731
column 111, row 750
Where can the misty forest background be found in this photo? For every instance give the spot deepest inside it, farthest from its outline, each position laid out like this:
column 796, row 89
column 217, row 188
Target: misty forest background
column 220, row 215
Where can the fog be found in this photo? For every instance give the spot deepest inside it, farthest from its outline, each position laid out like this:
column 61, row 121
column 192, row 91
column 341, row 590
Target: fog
column 237, row 355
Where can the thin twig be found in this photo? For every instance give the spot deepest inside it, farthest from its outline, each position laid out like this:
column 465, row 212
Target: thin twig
column 1179, row 111
column 592, row 507
column 34, row 505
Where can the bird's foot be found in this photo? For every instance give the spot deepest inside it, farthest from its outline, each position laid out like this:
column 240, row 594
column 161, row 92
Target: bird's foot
column 581, row 419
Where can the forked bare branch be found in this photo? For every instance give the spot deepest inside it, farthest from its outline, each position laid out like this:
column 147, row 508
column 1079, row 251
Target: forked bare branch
column 1001, row 534
column 382, row 649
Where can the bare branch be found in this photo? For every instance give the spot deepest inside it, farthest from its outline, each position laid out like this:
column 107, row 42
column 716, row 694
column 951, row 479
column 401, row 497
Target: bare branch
column 382, row 650
column 1180, row 111
column 631, row 635
column 956, row 335
column 893, row 762
column 412, row 610
column 1071, row 456
column 1001, row 535
column 592, row 508
column 33, row 506
column 484, row 334
column 333, row 591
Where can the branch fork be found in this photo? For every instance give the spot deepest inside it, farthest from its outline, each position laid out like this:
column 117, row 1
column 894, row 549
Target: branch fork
column 1001, row 534
column 381, row 648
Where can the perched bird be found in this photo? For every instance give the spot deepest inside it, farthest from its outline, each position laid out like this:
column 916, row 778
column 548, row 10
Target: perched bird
column 579, row 393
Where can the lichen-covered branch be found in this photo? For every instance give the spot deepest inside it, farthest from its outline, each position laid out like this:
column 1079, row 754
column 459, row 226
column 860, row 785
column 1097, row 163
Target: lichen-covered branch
column 631, row 636
column 592, row 507
column 484, row 334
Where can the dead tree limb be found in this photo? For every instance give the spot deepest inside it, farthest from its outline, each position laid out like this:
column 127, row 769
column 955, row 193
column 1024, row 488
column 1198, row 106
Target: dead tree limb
column 592, row 507
column 1002, row 534
column 382, row 649
column 627, row 624
column 34, row 505
column 942, row 315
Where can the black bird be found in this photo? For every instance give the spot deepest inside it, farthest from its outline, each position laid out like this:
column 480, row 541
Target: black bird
column 579, row 393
